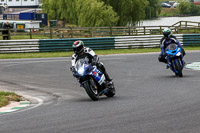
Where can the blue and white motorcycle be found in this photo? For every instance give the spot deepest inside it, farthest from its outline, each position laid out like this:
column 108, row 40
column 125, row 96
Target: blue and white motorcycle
column 92, row 80
column 175, row 59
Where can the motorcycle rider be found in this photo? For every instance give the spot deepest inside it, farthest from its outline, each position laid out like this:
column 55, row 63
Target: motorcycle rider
column 165, row 41
column 80, row 51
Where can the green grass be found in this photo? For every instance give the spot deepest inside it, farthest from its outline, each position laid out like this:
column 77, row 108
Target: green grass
column 69, row 54
column 189, row 31
column 6, row 97
column 19, row 37
column 98, row 52
column 167, row 12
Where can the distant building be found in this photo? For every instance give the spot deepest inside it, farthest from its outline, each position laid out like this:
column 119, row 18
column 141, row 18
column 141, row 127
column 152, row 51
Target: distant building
column 21, row 3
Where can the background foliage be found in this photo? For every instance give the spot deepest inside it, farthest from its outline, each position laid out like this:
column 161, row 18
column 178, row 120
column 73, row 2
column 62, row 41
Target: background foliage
column 129, row 11
column 81, row 12
column 93, row 13
column 153, row 9
column 186, row 7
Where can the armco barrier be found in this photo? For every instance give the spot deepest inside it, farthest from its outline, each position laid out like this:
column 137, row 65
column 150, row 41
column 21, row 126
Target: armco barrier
column 141, row 41
column 49, row 45
column 191, row 39
column 16, row 46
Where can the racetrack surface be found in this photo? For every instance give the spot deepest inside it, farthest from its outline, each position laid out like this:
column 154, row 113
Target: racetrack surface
column 149, row 98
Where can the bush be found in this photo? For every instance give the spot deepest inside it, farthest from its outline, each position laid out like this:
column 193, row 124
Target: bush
column 195, row 9
column 184, row 7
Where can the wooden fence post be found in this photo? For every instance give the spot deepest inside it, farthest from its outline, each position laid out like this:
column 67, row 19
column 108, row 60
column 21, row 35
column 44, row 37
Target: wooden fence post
column 111, row 31
column 71, row 32
column 91, row 32
column 136, row 31
column 9, row 37
column 44, row 31
column 60, row 33
column 51, row 34
column 178, row 29
column 129, row 30
column 144, row 30
column 160, row 30
column 31, row 34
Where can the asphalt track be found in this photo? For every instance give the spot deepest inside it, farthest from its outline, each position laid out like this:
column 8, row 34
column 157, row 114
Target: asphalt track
column 149, row 98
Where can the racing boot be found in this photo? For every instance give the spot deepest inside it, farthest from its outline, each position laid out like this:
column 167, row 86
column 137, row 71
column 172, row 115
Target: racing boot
column 101, row 67
column 167, row 67
column 108, row 79
column 184, row 63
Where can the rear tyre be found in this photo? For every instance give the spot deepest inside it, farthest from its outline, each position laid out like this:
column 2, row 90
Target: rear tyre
column 178, row 68
column 91, row 90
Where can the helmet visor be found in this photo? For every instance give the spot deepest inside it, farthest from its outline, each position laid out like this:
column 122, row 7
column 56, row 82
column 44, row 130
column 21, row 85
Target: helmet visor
column 166, row 34
column 78, row 50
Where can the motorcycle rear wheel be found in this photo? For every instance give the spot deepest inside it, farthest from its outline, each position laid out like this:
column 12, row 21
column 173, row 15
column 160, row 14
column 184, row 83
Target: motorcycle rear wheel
column 178, row 68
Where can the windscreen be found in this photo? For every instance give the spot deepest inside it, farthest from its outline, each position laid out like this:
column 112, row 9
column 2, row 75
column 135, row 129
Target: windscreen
column 172, row 46
column 80, row 63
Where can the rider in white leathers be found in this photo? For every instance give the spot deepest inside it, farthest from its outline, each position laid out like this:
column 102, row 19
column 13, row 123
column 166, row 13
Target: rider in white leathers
column 80, row 51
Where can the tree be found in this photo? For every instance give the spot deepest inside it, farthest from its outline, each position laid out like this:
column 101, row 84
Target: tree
column 184, row 7
column 50, row 7
column 195, row 9
column 81, row 13
column 98, row 14
column 153, row 9
column 129, row 11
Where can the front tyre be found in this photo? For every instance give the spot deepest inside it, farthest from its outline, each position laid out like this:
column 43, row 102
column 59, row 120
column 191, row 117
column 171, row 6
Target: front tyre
column 91, row 90
column 178, row 68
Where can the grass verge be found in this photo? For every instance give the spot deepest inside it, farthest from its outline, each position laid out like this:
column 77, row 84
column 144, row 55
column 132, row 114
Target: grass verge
column 6, row 97
column 98, row 52
column 69, row 54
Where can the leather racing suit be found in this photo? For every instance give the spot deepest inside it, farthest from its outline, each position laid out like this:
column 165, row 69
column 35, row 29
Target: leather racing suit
column 93, row 59
column 164, row 42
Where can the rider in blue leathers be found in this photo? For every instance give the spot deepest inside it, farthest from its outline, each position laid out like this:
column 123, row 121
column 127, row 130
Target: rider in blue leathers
column 166, row 40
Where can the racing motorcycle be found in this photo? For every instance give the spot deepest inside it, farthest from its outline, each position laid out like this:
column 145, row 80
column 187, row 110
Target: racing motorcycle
column 92, row 80
column 175, row 59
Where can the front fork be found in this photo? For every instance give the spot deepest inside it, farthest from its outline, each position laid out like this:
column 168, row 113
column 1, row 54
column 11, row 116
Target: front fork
column 173, row 65
column 171, row 61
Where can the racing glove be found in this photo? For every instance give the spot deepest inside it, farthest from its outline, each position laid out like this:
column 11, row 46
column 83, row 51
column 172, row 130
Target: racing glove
column 72, row 68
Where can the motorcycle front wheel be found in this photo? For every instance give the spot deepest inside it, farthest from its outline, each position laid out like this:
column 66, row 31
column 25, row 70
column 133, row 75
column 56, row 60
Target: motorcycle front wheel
column 178, row 68
column 91, row 89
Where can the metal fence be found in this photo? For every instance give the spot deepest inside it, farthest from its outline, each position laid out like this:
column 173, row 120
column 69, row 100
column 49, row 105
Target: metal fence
column 16, row 46
column 53, row 45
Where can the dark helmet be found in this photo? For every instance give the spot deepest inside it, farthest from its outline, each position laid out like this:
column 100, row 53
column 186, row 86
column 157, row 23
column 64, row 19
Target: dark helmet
column 167, row 32
column 78, row 47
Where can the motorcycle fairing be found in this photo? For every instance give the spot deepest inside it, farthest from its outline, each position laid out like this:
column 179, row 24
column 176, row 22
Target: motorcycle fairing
column 97, row 75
